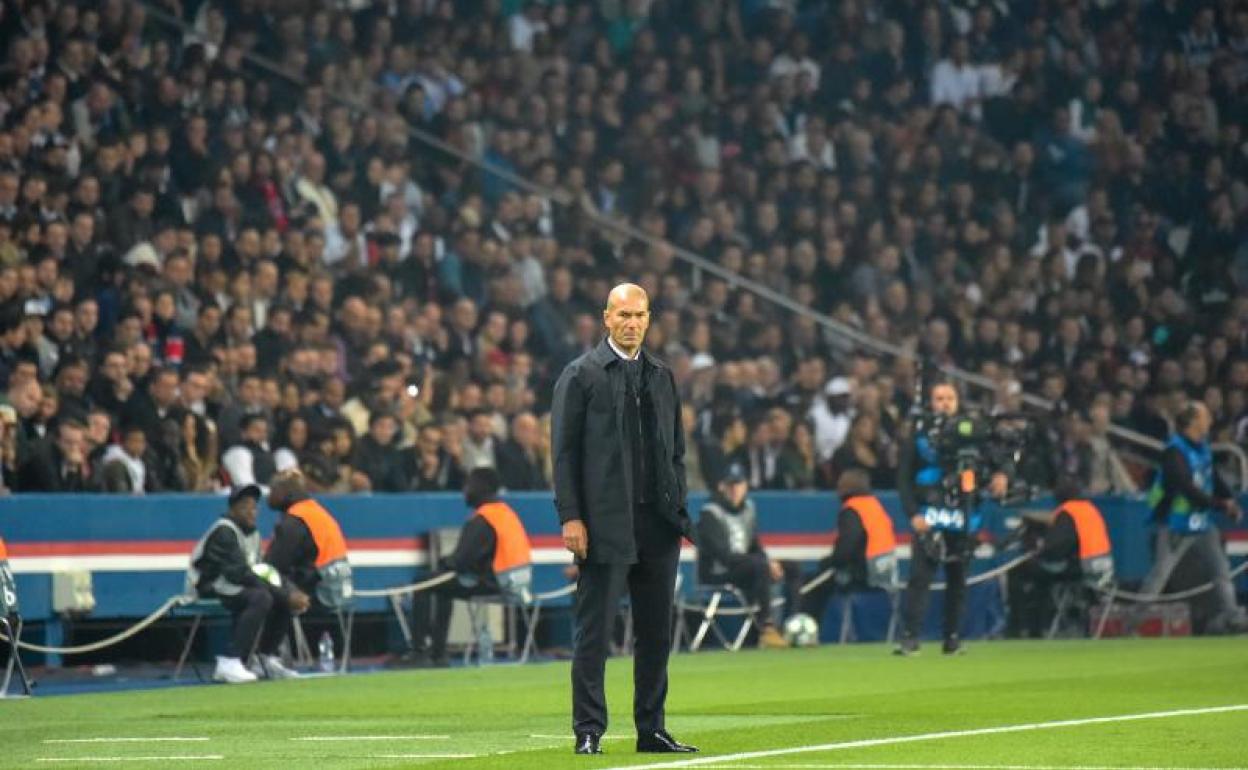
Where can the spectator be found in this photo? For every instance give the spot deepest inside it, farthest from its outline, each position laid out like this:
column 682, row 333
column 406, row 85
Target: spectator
column 378, row 457
column 831, row 417
column 58, row 463
column 250, row 461
column 520, row 465
column 864, row 451
column 479, row 445
column 149, row 408
column 123, row 466
column 435, row 468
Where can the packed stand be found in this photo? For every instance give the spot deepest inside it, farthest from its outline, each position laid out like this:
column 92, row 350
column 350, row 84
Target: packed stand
column 209, row 272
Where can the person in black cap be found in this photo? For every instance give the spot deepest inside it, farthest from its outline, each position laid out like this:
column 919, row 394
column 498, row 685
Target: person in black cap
column 729, row 550
column 225, row 565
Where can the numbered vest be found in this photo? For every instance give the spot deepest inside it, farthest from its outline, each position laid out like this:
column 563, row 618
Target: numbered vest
column 1095, row 555
column 337, row 584
column 881, row 553
column 513, row 557
column 1184, row 517
column 948, row 519
column 8, row 586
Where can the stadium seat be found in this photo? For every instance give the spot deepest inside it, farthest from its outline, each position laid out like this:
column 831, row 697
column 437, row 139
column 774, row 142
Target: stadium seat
column 198, row 611
column 346, row 627
column 848, row 633
column 13, row 632
column 1079, row 598
column 709, row 603
column 526, row 608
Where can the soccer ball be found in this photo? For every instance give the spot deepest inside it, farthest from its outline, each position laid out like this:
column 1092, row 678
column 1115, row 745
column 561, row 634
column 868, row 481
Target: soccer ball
column 267, row 573
column 801, row 630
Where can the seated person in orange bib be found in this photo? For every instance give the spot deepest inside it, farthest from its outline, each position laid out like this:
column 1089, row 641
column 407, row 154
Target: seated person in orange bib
column 492, row 557
column 865, row 553
column 1072, row 543
column 308, row 549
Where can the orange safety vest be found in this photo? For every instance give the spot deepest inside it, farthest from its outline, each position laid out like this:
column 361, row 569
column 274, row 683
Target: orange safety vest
column 1089, row 526
column 511, row 550
column 330, row 544
column 877, row 524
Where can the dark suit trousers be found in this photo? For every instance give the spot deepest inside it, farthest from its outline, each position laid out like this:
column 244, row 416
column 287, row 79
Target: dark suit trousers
column 650, row 583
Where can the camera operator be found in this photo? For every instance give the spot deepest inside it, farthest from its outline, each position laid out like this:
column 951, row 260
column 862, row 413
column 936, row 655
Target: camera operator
column 941, row 460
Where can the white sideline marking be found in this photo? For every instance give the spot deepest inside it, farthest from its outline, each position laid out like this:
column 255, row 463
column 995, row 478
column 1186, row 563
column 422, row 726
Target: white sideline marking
column 543, row 736
column 133, row 759
column 908, row 766
column 123, row 740
column 424, row 756
column 866, row 743
column 374, row 738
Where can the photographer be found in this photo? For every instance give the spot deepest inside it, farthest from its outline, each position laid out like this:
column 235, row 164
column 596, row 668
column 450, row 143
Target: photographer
column 938, row 479
column 1186, row 495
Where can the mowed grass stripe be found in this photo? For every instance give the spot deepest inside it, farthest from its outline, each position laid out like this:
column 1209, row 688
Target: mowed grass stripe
column 727, row 703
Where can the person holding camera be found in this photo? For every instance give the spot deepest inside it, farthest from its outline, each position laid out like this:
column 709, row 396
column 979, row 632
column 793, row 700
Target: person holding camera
column 938, row 485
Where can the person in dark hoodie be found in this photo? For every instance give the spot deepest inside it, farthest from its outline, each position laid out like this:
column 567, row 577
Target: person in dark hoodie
column 378, row 456
column 225, row 565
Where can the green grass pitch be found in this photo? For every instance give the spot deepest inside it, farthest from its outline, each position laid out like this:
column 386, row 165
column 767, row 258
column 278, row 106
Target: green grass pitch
column 516, row 718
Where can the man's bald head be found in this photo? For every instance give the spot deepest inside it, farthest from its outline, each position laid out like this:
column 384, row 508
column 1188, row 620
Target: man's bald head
column 625, row 292
column 627, row 316
column 286, row 489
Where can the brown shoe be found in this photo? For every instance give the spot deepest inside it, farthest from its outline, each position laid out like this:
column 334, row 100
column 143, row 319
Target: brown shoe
column 770, row 639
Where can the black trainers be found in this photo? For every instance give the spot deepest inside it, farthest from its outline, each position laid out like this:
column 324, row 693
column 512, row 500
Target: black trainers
column 953, row 646
column 907, row 648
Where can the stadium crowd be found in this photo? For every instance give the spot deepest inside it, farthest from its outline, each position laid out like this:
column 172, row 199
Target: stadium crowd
column 210, row 272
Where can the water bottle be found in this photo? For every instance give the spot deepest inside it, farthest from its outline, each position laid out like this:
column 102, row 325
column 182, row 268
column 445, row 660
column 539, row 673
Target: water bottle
column 485, row 644
column 325, row 653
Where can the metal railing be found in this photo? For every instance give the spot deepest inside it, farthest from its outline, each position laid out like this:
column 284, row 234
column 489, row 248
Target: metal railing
column 559, row 196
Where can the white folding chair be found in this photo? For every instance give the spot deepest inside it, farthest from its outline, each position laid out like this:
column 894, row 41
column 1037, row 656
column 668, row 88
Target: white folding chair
column 13, row 632
column 712, row 611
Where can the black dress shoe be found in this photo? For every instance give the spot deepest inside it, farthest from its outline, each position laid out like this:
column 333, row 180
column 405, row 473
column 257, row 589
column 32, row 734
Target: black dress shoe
column 588, row 743
column 661, row 742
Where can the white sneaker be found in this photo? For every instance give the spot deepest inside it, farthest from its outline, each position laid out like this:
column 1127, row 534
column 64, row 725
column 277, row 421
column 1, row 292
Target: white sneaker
column 231, row 671
column 271, row 667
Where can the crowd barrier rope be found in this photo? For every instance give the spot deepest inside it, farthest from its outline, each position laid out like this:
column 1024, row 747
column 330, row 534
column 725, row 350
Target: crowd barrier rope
column 179, row 600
